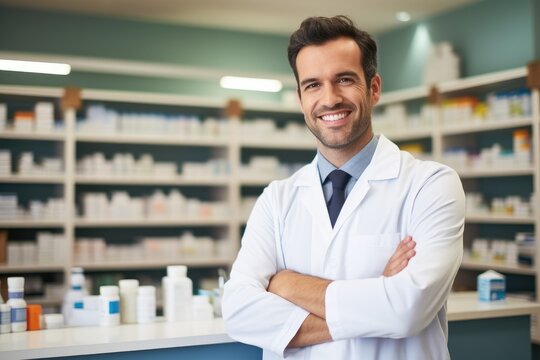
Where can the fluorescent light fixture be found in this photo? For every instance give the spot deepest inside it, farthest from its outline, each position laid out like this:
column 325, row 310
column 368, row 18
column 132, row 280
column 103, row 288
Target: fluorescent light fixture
column 35, row 67
column 403, row 16
column 254, row 84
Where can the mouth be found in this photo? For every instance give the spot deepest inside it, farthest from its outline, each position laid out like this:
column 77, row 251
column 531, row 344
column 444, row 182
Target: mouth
column 334, row 117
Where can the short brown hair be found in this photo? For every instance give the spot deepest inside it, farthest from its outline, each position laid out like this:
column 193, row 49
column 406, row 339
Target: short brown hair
column 318, row 30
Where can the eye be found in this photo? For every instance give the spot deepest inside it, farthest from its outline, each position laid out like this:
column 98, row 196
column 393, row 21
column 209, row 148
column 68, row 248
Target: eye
column 345, row 81
column 311, row 86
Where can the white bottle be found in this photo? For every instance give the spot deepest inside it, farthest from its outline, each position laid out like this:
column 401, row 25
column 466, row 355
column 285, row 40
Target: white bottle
column 17, row 303
column 5, row 318
column 179, row 292
column 202, row 310
column 164, row 281
column 109, row 306
column 128, row 300
column 146, row 304
column 73, row 299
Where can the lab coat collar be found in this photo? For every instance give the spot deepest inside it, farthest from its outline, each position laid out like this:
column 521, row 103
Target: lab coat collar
column 384, row 165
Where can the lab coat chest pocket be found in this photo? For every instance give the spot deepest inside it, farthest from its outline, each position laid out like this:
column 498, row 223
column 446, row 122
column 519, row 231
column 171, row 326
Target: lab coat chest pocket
column 367, row 255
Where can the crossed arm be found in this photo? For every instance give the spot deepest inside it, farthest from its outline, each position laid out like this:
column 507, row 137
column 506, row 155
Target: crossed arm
column 308, row 292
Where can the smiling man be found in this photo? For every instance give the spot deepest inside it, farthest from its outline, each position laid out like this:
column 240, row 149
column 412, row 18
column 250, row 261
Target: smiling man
column 323, row 272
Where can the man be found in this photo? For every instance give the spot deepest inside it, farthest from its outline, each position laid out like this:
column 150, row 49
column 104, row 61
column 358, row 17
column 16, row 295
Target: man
column 322, row 273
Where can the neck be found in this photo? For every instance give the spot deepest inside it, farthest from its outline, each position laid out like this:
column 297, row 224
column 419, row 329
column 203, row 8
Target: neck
column 338, row 157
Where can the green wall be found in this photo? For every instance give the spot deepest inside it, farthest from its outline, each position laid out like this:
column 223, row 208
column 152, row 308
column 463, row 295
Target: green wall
column 80, row 35
column 488, row 36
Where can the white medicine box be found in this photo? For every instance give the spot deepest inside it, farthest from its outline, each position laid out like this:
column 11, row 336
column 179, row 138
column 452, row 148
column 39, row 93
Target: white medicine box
column 491, row 286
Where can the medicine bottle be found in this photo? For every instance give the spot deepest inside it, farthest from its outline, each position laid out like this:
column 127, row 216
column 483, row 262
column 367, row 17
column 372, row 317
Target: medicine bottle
column 109, row 306
column 146, row 304
column 53, row 321
column 17, row 303
column 128, row 300
column 73, row 299
column 33, row 316
column 5, row 318
column 178, row 292
column 202, row 310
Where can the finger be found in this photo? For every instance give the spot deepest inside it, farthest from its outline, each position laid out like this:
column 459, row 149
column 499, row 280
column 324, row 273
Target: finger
column 397, row 266
column 399, row 261
column 402, row 249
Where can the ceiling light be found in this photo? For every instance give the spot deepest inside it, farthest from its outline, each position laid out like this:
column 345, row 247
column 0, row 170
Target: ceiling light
column 403, row 16
column 35, row 67
column 254, row 84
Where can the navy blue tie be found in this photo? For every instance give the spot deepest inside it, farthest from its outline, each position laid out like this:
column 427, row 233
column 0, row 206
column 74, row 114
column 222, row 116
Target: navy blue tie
column 339, row 179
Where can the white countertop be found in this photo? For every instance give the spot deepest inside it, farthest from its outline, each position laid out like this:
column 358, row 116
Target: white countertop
column 465, row 306
column 96, row 340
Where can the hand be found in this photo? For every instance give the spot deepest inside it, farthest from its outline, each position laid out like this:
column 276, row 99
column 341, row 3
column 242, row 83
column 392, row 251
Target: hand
column 400, row 258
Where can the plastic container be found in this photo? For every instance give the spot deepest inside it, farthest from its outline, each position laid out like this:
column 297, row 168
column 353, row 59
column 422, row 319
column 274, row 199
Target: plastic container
column 179, row 293
column 5, row 318
column 53, row 321
column 33, row 316
column 146, row 304
column 17, row 303
column 202, row 310
column 128, row 300
column 73, row 299
column 109, row 306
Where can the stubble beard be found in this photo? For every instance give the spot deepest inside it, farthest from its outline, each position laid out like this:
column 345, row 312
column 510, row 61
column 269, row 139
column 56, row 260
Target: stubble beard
column 357, row 131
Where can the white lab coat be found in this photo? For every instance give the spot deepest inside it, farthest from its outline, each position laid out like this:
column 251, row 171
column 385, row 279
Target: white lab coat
column 369, row 316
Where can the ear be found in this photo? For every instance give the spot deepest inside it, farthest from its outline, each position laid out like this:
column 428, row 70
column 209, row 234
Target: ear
column 375, row 88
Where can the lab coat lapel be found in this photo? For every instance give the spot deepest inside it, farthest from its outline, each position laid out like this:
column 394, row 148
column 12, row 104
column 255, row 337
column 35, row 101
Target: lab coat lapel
column 313, row 202
column 384, row 165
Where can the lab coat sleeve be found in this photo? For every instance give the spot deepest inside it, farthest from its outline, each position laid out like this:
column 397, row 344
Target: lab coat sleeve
column 405, row 304
column 251, row 314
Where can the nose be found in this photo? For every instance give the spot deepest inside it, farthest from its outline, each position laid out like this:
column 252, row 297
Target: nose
column 331, row 96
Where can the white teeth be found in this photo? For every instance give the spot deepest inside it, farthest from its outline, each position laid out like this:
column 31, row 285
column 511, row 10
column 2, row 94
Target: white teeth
column 333, row 117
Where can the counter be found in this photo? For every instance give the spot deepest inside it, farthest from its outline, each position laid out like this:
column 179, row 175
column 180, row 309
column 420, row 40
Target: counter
column 469, row 321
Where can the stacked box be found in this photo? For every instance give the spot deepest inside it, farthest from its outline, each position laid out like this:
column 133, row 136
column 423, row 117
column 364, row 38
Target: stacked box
column 44, row 115
column 3, row 117
column 5, row 162
column 46, row 247
column 8, row 206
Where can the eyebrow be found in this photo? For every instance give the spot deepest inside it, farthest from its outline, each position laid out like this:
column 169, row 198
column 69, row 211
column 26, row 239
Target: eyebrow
column 344, row 73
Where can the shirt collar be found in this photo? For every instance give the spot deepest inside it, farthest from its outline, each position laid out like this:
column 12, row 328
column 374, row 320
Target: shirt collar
column 354, row 167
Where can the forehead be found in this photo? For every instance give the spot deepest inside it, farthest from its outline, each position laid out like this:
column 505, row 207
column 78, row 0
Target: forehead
column 329, row 58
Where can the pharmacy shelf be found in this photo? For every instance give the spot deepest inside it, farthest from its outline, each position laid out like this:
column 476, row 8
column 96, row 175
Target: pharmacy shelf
column 288, row 144
column 264, row 181
column 482, row 80
column 510, row 269
column 499, row 219
column 155, row 264
column 410, row 134
column 33, row 179
column 31, row 268
column 200, row 141
column 133, row 223
column 19, row 224
column 496, row 172
column 474, row 127
column 52, row 136
column 152, row 180
column 403, row 95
